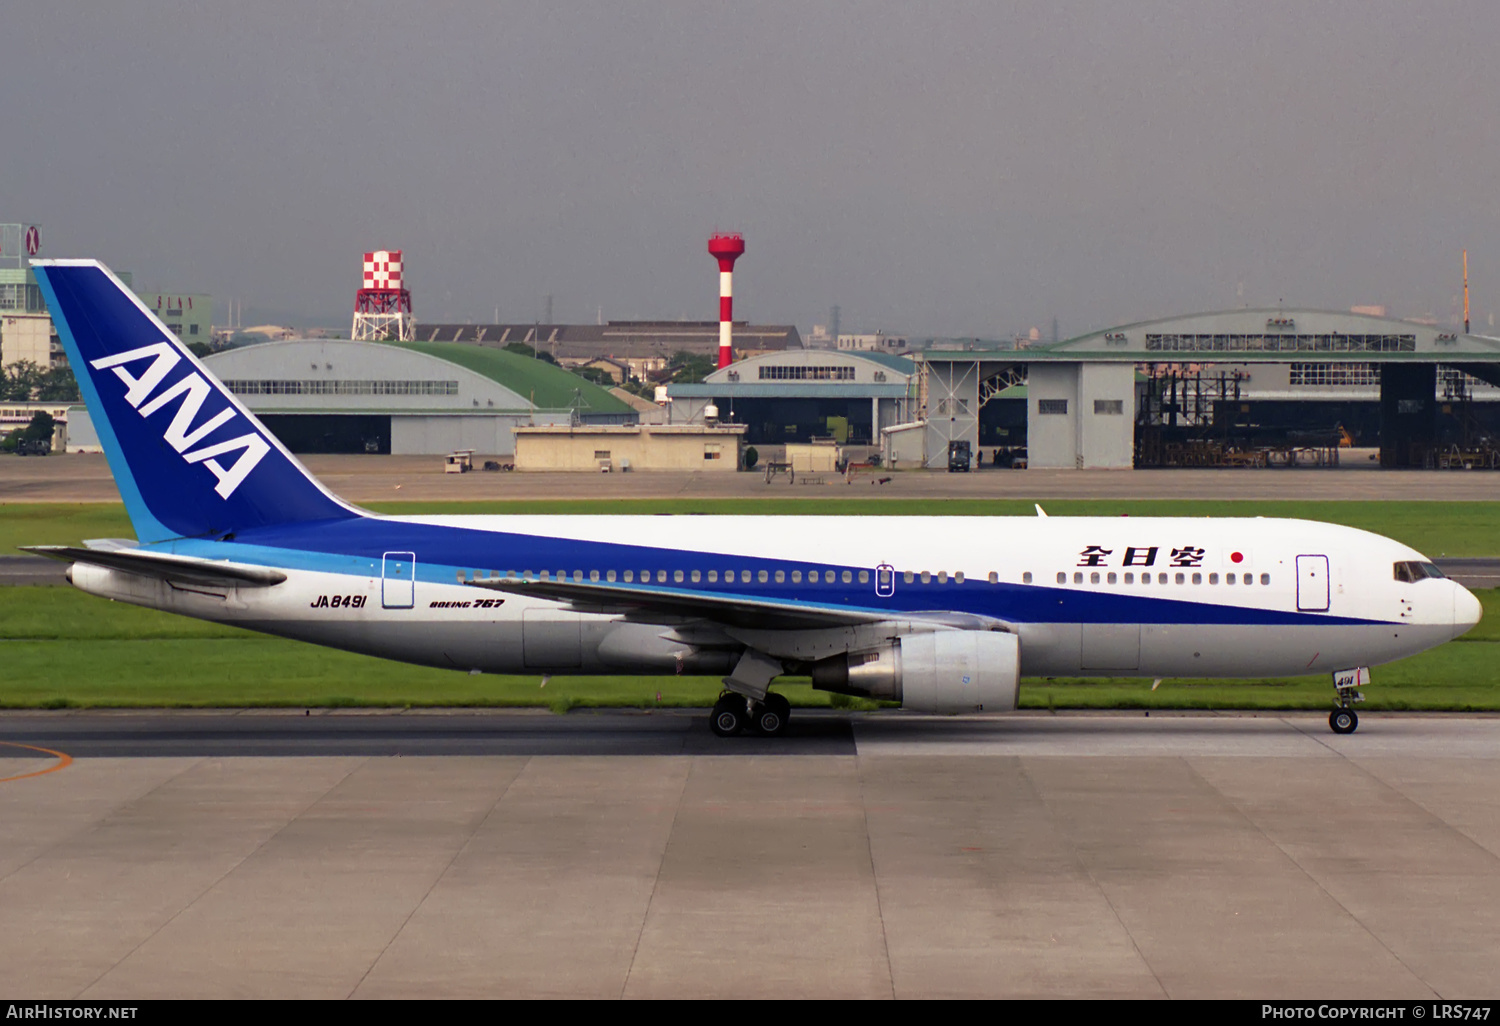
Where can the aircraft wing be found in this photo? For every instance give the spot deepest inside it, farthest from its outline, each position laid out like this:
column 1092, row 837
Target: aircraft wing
column 178, row 569
column 653, row 604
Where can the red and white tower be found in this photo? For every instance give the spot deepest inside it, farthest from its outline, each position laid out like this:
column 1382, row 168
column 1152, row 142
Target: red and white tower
column 382, row 306
column 726, row 249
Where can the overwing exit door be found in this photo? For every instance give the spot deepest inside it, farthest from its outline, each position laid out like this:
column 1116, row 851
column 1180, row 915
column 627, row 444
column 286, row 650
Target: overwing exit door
column 398, row 572
column 1312, row 584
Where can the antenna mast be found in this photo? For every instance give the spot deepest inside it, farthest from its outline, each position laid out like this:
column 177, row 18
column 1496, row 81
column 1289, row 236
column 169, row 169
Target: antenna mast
column 1466, row 292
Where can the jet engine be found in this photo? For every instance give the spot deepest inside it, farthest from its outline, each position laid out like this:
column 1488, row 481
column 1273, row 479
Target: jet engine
column 941, row 672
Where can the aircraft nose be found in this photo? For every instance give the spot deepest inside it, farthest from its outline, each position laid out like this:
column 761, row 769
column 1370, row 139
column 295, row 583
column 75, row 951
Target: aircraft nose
column 1466, row 610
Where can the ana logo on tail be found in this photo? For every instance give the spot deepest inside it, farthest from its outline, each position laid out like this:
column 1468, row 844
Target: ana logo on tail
column 192, row 389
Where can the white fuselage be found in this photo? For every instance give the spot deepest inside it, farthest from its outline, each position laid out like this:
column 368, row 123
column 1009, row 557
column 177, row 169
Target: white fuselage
column 1151, row 597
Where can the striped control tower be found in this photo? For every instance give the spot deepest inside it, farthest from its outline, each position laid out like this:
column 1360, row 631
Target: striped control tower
column 726, row 249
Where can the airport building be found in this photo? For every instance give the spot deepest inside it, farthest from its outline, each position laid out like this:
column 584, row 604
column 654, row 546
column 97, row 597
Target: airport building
column 798, row 395
column 640, row 347
column 1241, row 387
column 328, row 395
column 712, row 448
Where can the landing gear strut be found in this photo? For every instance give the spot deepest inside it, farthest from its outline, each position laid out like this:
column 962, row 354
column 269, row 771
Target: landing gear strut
column 734, row 713
column 1346, row 683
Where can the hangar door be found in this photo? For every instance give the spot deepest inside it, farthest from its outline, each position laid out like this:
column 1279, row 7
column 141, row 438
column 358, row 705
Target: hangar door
column 1312, row 584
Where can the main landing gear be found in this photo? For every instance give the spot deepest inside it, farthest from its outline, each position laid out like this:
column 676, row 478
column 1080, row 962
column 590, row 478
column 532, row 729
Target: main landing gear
column 1346, row 683
column 735, row 713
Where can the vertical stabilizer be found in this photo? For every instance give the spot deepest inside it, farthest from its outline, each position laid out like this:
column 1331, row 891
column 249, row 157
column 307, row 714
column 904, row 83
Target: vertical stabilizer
column 189, row 460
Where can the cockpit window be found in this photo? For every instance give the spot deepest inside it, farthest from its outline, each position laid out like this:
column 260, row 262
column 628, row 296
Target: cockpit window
column 1411, row 571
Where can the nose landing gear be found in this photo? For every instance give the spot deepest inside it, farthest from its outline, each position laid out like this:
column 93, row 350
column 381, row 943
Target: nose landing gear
column 734, row 714
column 1346, row 684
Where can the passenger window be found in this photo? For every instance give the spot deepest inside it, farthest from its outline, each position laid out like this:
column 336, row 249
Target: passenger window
column 510, row 575
column 1130, row 578
column 1078, row 577
column 1213, row 578
column 1229, row 578
column 1094, row 577
column 697, row 576
column 609, row 575
column 1197, row 578
column 781, row 577
column 546, row 575
column 1025, row 578
column 760, row 576
column 1181, row 579
column 1062, row 578
column 629, row 576
column 926, row 577
column 847, row 577
column 796, row 576
column 864, row 577
column 994, row 577
column 1265, row 578
column 593, row 575
column 661, row 577
column 828, row 577
column 713, row 577
column 942, row 577
column 907, row 577
column 677, row 576
column 1111, row 579
column 1162, row 578
column 958, row 578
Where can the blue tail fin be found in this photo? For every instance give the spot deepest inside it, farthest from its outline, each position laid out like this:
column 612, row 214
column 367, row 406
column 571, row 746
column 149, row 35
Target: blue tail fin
column 189, row 460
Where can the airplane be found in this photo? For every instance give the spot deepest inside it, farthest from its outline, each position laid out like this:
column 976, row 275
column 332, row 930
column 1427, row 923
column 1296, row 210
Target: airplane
column 939, row 614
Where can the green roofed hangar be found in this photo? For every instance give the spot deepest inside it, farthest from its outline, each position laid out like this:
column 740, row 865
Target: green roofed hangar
column 411, row 398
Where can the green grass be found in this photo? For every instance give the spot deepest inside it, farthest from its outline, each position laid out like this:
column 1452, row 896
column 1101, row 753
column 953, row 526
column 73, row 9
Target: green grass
column 1434, row 528
column 62, row 648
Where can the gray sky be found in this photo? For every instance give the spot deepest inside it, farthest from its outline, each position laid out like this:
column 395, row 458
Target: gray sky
column 943, row 168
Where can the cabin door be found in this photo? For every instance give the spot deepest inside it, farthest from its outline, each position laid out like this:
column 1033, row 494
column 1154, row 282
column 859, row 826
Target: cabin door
column 398, row 573
column 1312, row 584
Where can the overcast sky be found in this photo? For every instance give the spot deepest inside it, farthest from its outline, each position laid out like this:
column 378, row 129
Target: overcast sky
column 940, row 168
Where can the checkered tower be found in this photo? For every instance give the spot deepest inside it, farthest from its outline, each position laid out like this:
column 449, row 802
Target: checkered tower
column 382, row 306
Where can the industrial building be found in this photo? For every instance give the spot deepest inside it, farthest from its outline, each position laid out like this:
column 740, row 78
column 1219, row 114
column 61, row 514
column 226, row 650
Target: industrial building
column 328, row 395
column 641, row 346
column 697, row 447
column 1226, row 388
column 797, row 395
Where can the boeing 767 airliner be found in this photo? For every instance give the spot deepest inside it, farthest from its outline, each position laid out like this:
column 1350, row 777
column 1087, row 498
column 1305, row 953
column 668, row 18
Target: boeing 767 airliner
column 940, row 614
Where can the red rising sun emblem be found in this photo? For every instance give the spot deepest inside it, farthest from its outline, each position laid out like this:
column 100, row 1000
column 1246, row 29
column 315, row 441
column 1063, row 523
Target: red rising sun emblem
column 1236, row 557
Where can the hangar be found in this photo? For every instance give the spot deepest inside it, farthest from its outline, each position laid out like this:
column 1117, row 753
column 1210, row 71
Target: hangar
column 799, row 394
column 1150, row 393
column 330, row 395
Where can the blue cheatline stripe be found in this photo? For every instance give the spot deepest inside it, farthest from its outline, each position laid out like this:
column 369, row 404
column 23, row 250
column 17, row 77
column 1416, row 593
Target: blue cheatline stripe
column 147, row 527
column 356, row 547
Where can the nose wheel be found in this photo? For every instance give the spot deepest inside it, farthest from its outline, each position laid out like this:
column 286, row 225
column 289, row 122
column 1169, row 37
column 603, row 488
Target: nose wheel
column 1343, row 721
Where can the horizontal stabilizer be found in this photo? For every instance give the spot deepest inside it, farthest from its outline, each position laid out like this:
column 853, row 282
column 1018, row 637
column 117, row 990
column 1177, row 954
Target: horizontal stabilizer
column 651, row 604
column 180, row 569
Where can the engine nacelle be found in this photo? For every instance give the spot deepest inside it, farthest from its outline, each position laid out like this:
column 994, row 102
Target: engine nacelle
column 941, row 672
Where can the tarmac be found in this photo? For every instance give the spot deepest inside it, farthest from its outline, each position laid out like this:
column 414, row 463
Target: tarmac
column 625, row 854
column 84, row 477
column 882, row 855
